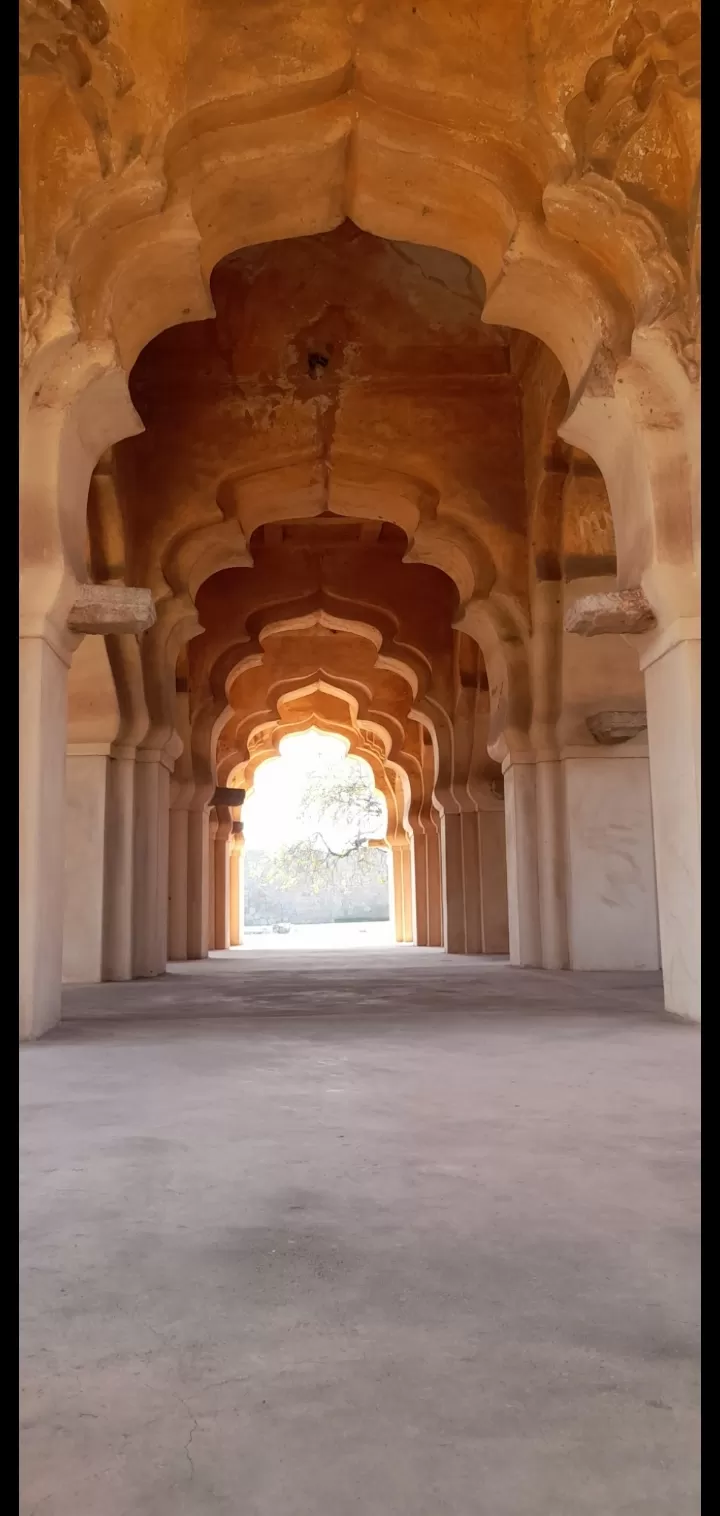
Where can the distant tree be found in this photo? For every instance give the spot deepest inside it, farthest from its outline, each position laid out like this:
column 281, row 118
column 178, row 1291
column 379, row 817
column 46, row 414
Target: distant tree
column 342, row 811
column 342, row 807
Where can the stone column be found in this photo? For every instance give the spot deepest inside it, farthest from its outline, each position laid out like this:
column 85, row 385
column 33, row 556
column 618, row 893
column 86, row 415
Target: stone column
column 212, row 827
column 222, row 879
column 421, row 931
column 401, row 876
column 453, row 881
column 522, row 862
column 237, row 885
column 551, row 862
column 119, row 827
column 178, row 880
column 86, row 860
column 460, row 877
column 434, row 881
column 671, row 665
column 150, row 864
column 198, row 903
column 407, row 887
column 493, row 880
column 43, row 671
column 612, row 919
column 472, row 881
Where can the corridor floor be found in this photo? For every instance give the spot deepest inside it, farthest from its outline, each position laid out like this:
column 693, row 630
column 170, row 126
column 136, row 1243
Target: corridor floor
column 347, row 1234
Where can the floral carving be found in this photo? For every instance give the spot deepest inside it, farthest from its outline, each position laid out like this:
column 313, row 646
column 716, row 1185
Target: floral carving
column 68, row 40
column 637, row 118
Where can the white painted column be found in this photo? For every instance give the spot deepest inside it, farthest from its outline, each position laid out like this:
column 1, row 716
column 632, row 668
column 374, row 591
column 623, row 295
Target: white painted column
column 43, row 727
column 671, row 664
column 522, row 863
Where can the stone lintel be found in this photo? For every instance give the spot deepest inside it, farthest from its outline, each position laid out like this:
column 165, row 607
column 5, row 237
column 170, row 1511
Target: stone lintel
column 612, row 727
column 624, row 612
column 106, row 609
column 228, row 797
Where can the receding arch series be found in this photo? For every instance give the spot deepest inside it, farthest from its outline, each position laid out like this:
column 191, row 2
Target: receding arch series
column 578, row 265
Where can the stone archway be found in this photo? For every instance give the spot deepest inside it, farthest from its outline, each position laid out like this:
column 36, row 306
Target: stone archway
column 135, row 257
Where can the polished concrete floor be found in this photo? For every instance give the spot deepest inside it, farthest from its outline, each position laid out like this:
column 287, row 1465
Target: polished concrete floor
column 345, row 1234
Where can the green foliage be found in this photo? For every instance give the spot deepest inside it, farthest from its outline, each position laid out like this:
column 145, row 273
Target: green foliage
column 340, row 810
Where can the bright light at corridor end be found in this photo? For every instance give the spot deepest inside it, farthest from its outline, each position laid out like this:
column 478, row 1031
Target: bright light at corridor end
column 271, row 813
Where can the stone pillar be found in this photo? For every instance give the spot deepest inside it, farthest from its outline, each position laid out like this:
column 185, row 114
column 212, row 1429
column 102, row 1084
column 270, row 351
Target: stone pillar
column 421, row 931
column 119, row 828
column 472, row 881
column 671, row 665
column 462, row 882
column 85, row 818
column 493, row 880
column 551, row 863
column 178, row 882
column 407, row 887
column 222, row 879
column 434, row 881
column 401, row 875
column 43, row 725
column 522, row 862
column 237, row 885
column 611, row 898
column 451, row 828
column 198, row 901
column 212, row 827
column 150, row 864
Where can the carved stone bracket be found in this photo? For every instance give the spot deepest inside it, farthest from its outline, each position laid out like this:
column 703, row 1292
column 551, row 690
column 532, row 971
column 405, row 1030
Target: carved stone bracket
column 225, row 796
column 610, row 728
column 623, row 612
column 104, row 609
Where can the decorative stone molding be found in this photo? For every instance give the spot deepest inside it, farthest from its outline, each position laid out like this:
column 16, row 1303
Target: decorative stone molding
column 618, row 612
column 69, row 41
column 610, row 728
column 645, row 90
column 225, row 796
column 105, row 609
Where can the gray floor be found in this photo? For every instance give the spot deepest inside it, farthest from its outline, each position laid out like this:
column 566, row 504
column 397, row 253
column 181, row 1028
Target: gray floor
column 357, row 1235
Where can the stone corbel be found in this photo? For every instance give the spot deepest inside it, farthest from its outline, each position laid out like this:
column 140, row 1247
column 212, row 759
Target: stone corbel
column 229, row 797
column 610, row 728
column 111, row 609
column 617, row 612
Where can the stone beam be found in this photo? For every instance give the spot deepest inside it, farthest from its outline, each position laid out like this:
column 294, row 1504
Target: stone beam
column 626, row 612
column 228, row 797
column 104, row 609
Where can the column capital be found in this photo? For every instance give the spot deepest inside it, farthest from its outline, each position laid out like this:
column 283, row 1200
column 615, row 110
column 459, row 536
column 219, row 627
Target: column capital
column 685, row 629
